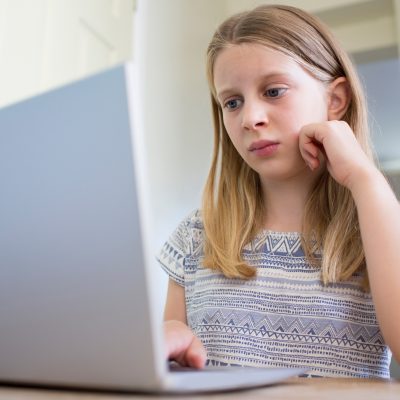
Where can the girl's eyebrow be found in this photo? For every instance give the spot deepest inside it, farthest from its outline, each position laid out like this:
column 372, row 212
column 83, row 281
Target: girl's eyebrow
column 270, row 76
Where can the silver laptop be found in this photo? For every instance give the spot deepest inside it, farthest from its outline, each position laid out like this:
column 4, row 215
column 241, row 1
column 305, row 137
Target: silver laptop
column 76, row 301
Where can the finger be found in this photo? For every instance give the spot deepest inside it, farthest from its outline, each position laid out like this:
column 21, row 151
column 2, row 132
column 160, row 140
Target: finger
column 177, row 338
column 183, row 346
column 314, row 132
column 196, row 354
column 310, row 153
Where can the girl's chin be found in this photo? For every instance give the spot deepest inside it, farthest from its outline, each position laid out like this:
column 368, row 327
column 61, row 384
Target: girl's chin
column 300, row 173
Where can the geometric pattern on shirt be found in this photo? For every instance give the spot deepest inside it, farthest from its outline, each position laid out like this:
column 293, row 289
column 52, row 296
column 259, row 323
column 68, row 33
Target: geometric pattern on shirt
column 294, row 329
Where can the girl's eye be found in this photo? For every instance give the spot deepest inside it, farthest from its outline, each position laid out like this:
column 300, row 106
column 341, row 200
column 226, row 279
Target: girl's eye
column 275, row 92
column 232, row 104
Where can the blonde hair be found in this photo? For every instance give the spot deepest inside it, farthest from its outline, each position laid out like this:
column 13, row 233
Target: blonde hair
column 232, row 200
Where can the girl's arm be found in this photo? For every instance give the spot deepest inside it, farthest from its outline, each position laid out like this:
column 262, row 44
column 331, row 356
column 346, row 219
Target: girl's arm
column 378, row 213
column 181, row 343
column 379, row 217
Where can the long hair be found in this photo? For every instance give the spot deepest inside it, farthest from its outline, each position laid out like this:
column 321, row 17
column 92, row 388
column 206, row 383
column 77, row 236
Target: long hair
column 232, row 200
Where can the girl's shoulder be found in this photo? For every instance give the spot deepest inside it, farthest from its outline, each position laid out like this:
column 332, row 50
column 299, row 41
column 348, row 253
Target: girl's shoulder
column 193, row 220
column 189, row 235
column 186, row 242
column 192, row 225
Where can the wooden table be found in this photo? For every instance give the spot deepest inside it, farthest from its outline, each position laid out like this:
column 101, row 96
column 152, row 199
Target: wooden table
column 295, row 388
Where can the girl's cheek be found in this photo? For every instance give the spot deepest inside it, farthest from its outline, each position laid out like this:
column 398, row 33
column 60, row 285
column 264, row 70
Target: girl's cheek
column 227, row 125
column 296, row 135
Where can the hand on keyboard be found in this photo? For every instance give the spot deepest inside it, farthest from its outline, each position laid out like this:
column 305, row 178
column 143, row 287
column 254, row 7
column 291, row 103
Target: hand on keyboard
column 183, row 346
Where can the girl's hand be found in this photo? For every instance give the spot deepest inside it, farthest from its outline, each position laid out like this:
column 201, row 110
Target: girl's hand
column 334, row 143
column 183, row 346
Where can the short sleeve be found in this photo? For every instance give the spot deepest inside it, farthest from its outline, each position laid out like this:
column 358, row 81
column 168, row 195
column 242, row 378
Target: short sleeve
column 174, row 251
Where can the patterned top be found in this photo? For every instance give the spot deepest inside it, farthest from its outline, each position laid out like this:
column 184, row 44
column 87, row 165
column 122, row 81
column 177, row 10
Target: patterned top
column 284, row 317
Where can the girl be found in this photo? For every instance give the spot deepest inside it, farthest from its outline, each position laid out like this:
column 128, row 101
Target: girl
column 293, row 259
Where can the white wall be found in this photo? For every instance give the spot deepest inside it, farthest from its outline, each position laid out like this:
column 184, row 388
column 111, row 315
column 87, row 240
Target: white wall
column 176, row 105
column 173, row 38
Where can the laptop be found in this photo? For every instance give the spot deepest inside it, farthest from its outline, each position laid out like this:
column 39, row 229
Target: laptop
column 77, row 307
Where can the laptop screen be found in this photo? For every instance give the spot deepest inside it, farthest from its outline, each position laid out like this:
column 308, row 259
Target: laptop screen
column 72, row 284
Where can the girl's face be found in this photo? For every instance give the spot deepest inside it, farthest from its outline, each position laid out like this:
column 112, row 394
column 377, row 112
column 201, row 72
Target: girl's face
column 266, row 98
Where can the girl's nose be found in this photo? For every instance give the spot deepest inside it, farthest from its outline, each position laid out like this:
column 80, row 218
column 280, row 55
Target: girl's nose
column 254, row 115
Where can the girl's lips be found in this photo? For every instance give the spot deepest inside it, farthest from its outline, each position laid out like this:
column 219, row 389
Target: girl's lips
column 263, row 147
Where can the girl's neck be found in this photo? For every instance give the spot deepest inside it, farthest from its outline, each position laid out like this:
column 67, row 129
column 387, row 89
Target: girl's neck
column 284, row 204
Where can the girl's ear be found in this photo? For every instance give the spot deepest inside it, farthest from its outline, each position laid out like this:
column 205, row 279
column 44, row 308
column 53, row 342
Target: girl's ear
column 338, row 98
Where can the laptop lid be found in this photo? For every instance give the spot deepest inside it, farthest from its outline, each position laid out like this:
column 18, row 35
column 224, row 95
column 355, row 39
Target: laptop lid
column 73, row 293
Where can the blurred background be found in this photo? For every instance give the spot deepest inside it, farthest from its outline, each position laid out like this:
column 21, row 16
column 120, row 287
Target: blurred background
column 45, row 44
